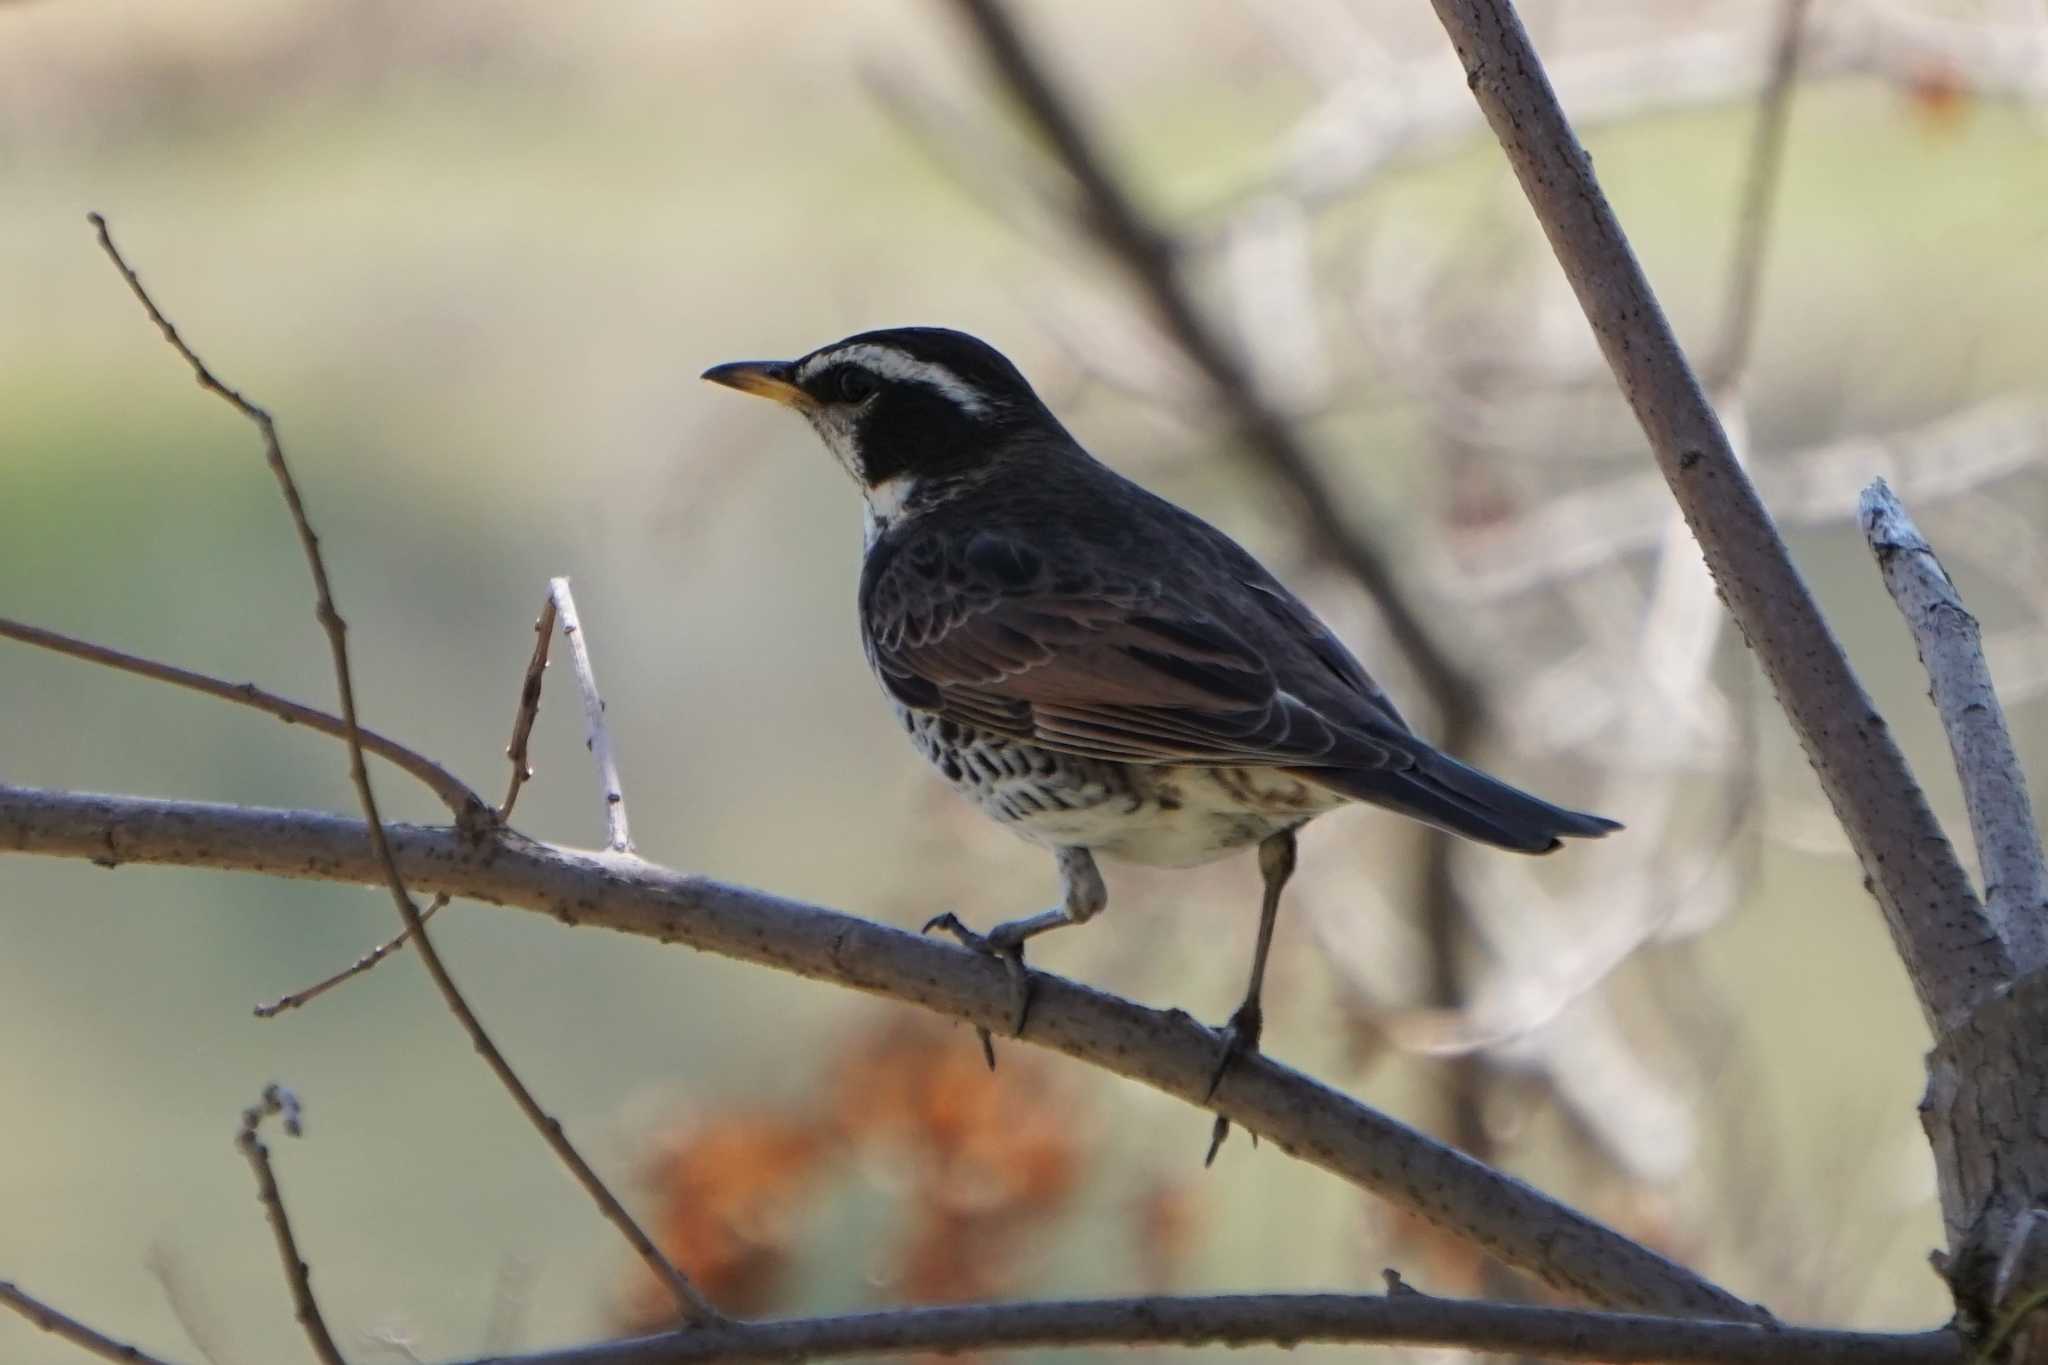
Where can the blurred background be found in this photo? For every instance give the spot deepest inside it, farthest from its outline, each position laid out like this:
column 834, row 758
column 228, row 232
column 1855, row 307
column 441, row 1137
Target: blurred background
column 473, row 254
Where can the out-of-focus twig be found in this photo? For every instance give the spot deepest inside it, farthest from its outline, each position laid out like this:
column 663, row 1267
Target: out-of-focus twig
column 1390, row 111
column 276, row 1100
column 974, row 157
column 695, row 1307
column 467, row 806
column 63, row 1325
column 1583, row 530
column 1753, row 218
column 1110, row 212
column 2001, row 813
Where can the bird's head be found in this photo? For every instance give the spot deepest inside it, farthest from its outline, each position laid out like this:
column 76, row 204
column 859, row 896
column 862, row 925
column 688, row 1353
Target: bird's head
column 904, row 409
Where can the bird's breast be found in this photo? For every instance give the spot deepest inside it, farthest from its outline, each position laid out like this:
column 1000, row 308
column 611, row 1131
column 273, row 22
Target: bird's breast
column 1155, row 815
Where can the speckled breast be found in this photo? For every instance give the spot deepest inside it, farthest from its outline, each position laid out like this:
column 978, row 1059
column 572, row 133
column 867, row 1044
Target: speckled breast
column 1157, row 815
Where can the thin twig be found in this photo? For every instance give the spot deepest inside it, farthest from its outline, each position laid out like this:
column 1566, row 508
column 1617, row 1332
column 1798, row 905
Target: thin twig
column 522, row 730
column 980, row 161
column 1951, row 649
column 1405, row 1318
column 1402, row 112
column 1725, row 367
column 63, row 1325
column 249, row 1141
column 596, row 735
column 1586, row 530
column 529, row 705
column 1954, row 957
column 695, row 1307
column 469, row 808
column 300, row 998
column 1163, row 1049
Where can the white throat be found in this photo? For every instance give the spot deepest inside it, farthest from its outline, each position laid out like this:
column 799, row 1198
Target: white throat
column 885, row 503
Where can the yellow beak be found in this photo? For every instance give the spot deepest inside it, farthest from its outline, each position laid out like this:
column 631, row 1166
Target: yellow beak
column 763, row 378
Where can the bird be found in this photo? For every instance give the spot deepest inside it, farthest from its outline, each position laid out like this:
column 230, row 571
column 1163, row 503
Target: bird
column 1098, row 669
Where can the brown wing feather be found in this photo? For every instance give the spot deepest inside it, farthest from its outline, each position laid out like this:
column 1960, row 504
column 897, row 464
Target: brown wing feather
column 976, row 627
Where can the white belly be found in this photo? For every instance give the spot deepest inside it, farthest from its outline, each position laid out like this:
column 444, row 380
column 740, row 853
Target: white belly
column 1157, row 816
column 1175, row 817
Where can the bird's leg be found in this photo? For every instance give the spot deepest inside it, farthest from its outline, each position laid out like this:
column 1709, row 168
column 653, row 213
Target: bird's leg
column 1241, row 1034
column 1082, row 896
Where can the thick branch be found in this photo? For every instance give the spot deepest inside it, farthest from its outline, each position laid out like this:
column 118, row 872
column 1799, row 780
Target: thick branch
column 1164, row 1049
column 1994, row 787
column 1954, row 958
column 1409, row 1319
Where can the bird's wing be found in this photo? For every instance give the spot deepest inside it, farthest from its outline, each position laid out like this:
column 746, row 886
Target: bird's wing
column 978, row 626
column 1289, row 612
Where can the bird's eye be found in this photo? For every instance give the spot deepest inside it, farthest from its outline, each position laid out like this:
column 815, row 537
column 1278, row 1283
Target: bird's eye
column 854, row 384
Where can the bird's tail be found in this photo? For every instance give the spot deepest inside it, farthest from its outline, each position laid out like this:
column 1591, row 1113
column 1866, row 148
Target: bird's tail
column 1452, row 796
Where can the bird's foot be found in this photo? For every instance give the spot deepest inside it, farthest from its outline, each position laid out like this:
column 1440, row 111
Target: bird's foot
column 1239, row 1038
column 1005, row 943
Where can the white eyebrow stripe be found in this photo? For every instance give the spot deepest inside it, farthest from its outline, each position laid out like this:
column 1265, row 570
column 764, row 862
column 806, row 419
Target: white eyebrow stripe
column 891, row 363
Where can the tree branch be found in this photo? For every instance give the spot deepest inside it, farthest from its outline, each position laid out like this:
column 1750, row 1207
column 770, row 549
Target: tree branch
column 597, row 735
column 528, row 709
column 523, row 718
column 469, row 808
column 1952, row 955
column 1109, row 211
column 299, row 999
column 1994, row 788
column 1401, row 111
column 1759, row 201
column 694, row 1306
column 72, row 1330
column 1982, row 1115
column 1164, row 1049
column 249, row 1142
column 1582, row 531
column 1406, row 1319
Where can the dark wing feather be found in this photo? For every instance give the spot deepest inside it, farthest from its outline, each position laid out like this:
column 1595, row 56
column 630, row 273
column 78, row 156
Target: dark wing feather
column 976, row 626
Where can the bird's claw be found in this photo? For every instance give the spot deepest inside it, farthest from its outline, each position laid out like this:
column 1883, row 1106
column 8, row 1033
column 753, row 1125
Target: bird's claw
column 1239, row 1038
column 1005, row 948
